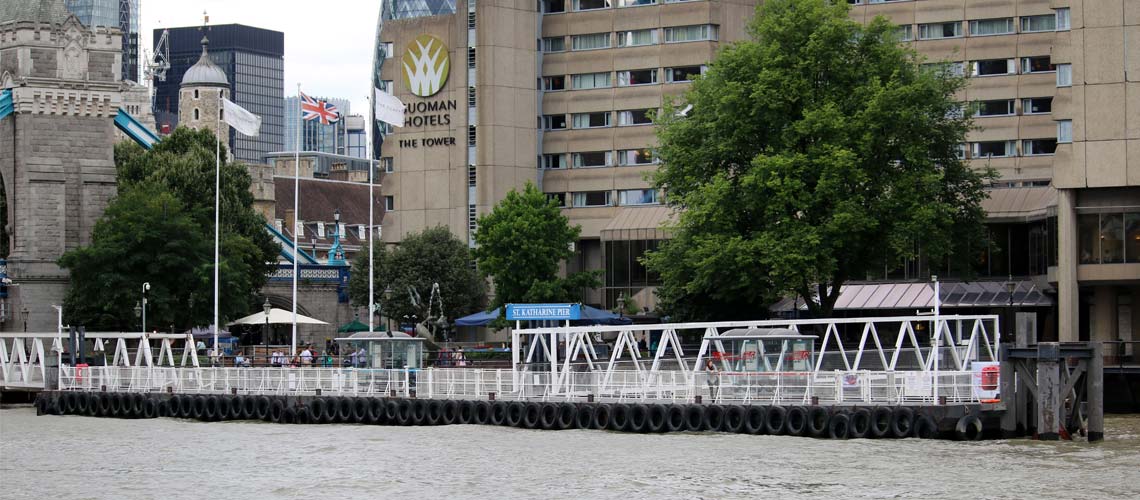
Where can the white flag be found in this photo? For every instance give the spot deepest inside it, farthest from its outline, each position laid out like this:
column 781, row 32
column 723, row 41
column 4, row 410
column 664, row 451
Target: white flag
column 241, row 120
column 388, row 108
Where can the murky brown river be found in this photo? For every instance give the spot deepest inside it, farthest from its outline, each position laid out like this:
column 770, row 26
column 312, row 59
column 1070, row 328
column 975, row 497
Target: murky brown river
column 70, row 457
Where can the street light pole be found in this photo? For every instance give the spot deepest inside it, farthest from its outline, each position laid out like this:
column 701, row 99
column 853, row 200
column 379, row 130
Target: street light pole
column 267, row 308
column 145, row 288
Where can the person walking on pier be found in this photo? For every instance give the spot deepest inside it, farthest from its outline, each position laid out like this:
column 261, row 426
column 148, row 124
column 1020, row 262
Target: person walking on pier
column 713, row 379
column 306, row 357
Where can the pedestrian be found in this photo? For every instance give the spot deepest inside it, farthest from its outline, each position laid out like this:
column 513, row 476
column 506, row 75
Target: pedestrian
column 460, row 358
column 306, row 356
column 713, row 378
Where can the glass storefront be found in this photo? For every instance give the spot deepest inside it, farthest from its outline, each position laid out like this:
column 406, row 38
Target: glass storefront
column 626, row 275
column 1109, row 237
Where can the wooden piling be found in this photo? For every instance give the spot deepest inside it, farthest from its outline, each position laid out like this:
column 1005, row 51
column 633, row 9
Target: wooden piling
column 1095, row 393
column 1049, row 388
column 1009, row 399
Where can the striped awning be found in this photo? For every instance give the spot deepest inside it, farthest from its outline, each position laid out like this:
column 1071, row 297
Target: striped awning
column 1019, row 204
column 638, row 223
column 902, row 296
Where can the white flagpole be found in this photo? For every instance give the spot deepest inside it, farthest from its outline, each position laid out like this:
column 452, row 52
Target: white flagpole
column 371, row 224
column 296, row 215
column 217, row 214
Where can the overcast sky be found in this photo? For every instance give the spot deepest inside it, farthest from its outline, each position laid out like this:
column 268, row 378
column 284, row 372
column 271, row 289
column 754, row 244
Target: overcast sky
column 328, row 44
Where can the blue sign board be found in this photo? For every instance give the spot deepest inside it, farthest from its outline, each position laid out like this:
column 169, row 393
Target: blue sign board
column 537, row 312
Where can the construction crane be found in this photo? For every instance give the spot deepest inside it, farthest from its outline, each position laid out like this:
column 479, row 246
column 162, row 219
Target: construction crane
column 157, row 64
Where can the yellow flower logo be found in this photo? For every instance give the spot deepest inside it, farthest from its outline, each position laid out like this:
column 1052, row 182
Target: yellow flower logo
column 426, row 65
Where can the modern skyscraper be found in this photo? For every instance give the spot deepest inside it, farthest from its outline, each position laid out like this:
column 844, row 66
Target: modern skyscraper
column 253, row 61
column 315, row 136
column 122, row 14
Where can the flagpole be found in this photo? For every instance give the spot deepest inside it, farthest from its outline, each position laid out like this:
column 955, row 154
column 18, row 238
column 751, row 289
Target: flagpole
column 217, row 213
column 371, row 203
column 296, row 215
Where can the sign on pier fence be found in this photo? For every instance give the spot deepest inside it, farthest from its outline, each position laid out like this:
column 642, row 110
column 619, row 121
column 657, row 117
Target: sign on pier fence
column 539, row 312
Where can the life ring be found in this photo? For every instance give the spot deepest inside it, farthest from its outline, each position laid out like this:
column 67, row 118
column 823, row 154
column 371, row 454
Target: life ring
column 343, row 409
column 619, row 417
column 450, row 412
column 968, row 428
column 656, row 421
column 532, row 415
column 694, row 417
column 263, row 406
column 776, row 420
column 638, row 418
column 925, row 427
column 376, row 411
column 150, row 409
column 602, row 414
column 714, row 418
column 567, row 416
column 419, row 412
column 859, row 424
column 880, row 422
column 466, row 412
column 902, row 422
column 359, row 410
column 817, row 423
column 733, row 419
column 500, row 413
column 482, row 413
column 839, row 426
column 674, row 418
column 277, row 411
column 434, row 412
column 754, row 418
column 797, row 419
column 548, row 416
column 585, row 416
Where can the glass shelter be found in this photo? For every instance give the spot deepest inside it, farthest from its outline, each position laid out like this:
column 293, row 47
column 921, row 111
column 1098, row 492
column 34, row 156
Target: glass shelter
column 382, row 351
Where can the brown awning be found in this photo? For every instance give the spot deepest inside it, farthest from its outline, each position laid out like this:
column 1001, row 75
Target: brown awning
column 1019, row 204
column 638, row 223
column 903, row 296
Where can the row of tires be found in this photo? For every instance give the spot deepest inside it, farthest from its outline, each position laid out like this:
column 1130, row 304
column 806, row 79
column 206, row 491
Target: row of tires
column 814, row 421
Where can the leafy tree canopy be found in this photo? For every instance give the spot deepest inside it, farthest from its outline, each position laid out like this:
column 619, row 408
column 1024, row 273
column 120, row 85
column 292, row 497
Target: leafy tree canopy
column 160, row 229
column 816, row 152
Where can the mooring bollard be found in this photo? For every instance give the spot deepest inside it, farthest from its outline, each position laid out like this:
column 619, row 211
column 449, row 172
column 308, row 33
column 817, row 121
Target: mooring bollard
column 490, row 396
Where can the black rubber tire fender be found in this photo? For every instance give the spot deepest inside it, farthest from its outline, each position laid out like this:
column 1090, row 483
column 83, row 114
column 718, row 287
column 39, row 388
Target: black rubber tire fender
column 419, row 412
column 638, row 418
column 776, row 423
column 449, row 412
column 532, row 415
column 117, row 405
column 276, row 411
column 392, row 412
column 70, row 403
column 755, row 418
column 694, row 418
column 880, row 422
column 500, row 412
column 656, row 421
column 859, row 423
column 902, row 422
column 567, row 416
column 137, row 405
column 515, row 412
column 434, row 412
column 925, row 427
column 289, row 416
column 211, row 411
column 248, row 407
column 796, row 421
column 839, row 426
column 376, row 412
column 343, row 409
column 83, row 403
column 602, row 415
column 733, row 419
column 225, row 407
column 674, row 418
column 302, row 415
column 263, row 406
column 585, row 417
column 481, row 415
column 548, row 416
column 237, row 408
column 619, row 417
column 103, row 409
column 198, row 408
column 41, row 404
column 318, row 409
column 150, row 408
column 817, row 422
column 714, row 418
column 465, row 413
column 968, row 428
column 406, row 412
column 359, row 410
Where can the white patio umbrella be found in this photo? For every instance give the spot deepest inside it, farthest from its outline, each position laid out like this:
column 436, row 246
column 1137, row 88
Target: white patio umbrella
column 277, row 317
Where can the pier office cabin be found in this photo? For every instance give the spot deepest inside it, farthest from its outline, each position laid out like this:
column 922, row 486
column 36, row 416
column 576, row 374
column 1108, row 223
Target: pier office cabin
column 761, row 350
column 390, row 352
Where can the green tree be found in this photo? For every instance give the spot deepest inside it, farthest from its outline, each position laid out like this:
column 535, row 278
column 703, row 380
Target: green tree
column 421, row 259
column 816, row 152
column 521, row 244
column 160, row 229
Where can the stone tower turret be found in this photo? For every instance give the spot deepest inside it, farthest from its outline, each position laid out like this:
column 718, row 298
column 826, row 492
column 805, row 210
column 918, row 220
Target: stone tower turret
column 200, row 95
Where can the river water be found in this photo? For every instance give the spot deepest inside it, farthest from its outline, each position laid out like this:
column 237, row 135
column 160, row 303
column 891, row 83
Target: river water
column 58, row 457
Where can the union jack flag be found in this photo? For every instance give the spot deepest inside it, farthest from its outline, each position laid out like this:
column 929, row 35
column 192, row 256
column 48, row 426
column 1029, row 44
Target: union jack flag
column 316, row 109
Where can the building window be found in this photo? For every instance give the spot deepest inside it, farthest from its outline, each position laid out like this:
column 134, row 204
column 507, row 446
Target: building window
column 636, row 77
column 936, row 31
column 386, row 86
column 994, row 149
column 1003, row 107
column 470, row 57
column 630, row 197
column 386, row 165
column 553, row 6
column 1033, row 24
column 591, row 120
column 320, row 229
column 627, row 157
column 300, row 229
column 1109, row 238
column 471, row 16
column 674, row 34
column 471, row 97
column 1037, row 64
column 196, row 116
column 471, row 135
column 553, row 122
column 389, row 203
column 905, row 33
column 195, row 93
column 590, row 81
column 635, row 3
column 993, row 67
column 1064, row 131
column 960, row 151
column 1038, row 147
column 591, row 4
column 388, row 48
column 554, row 44
column 683, row 73
column 590, row 42
column 360, row 232
column 559, row 199
column 1062, row 15
column 553, row 162
column 634, row 117
column 591, row 159
column 986, row 27
column 553, row 83
column 1037, row 105
column 954, row 68
column 1064, row 75
column 593, row 199
column 637, row 38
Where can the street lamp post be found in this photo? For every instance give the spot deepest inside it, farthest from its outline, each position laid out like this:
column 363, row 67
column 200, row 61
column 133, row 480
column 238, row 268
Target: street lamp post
column 1010, row 287
column 267, row 308
column 138, row 312
column 24, row 316
column 145, row 288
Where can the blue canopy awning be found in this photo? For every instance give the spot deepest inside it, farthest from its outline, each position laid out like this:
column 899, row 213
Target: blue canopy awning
column 590, row 316
column 479, row 319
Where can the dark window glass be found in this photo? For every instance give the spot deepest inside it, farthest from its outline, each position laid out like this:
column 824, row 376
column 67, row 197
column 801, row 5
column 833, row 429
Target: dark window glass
column 992, row 67
column 1088, row 234
column 1111, row 238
